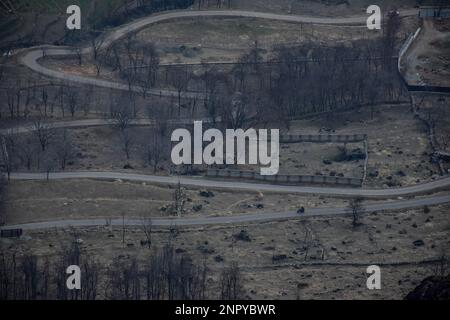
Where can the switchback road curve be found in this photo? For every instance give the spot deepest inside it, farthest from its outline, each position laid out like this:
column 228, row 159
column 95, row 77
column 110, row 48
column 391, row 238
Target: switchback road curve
column 31, row 57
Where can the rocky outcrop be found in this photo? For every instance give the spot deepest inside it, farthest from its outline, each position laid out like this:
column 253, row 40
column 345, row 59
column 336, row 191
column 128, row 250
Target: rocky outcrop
column 431, row 288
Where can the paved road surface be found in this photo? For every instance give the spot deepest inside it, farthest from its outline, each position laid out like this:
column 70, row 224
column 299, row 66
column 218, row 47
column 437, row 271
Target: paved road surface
column 97, row 122
column 247, row 218
column 30, row 58
column 202, row 182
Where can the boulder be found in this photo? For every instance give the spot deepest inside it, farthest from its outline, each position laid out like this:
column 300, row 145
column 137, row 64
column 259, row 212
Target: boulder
column 206, row 193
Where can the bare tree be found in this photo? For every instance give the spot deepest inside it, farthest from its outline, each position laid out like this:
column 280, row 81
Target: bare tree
column 44, row 132
column 7, row 153
column 44, row 98
column 121, row 114
column 13, row 100
column 72, row 99
column 156, row 151
column 28, row 149
column 140, row 64
column 179, row 200
column 121, row 117
column 372, row 93
column 88, row 96
column 390, row 30
column 442, row 266
column 90, row 271
column 356, row 209
column 64, row 149
column 123, row 281
column 2, row 71
column 96, row 45
column 8, row 271
column 127, row 139
column 147, row 228
column 29, row 269
column 79, row 53
column 231, row 283
column 170, row 276
column 179, row 78
column 148, row 68
column 2, row 193
column 24, row 277
column 68, row 255
column 236, row 112
column 48, row 161
column 123, row 228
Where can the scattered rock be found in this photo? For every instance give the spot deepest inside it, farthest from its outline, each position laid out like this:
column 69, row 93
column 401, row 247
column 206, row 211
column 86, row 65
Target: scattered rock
column 302, row 285
column 400, row 173
column 205, row 249
column 206, row 193
column 242, row 236
column 279, row 257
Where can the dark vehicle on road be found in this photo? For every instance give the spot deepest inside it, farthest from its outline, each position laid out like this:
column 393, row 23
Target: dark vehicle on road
column 301, row 210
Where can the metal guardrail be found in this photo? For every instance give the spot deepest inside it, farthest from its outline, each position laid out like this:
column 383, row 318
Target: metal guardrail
column 292, row 138
column 252, row 175
column 10, row 233
column 417, row 88
column 426, row 88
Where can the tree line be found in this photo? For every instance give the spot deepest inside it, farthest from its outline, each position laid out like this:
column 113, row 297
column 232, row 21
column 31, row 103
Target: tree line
column 163, row 274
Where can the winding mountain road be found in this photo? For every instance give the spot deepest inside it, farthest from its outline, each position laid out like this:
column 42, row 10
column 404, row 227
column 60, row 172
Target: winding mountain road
column 31, row 57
